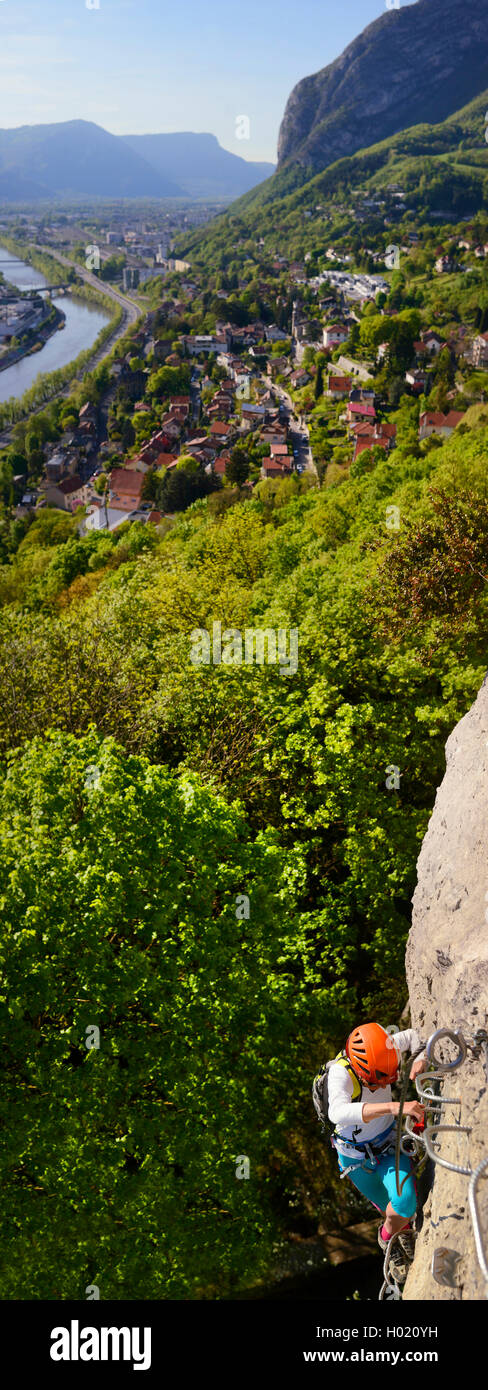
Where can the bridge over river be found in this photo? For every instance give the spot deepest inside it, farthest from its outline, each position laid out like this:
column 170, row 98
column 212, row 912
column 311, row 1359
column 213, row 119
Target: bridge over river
column 33, row 294
column 29, row 294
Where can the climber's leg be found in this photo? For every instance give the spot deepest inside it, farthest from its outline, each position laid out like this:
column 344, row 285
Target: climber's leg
column 366, row 1178
column 393, row 1222
column 402, row 1204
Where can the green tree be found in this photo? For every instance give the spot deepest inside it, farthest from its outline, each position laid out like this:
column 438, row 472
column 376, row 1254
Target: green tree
column 237, row 469
column 50, row 528
column 127, row 435
column 319, row 380
column 168, row 381
column 145, row 1027
column 188, row 464
column 6, row 476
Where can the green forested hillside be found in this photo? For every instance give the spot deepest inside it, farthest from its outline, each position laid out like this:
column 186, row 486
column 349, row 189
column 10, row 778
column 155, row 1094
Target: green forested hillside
column 443, row 169
column 146, row 799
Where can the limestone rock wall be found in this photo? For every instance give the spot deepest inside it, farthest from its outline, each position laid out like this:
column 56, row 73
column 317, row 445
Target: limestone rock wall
column 447, row 972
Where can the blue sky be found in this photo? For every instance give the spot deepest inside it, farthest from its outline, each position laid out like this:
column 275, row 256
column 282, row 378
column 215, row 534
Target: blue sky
column 135, row 66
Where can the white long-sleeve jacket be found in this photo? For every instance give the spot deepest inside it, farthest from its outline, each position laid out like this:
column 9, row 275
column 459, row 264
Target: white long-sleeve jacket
column 346, row 1114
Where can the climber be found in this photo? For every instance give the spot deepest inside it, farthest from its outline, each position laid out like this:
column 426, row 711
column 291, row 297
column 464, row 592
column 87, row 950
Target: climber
column 360, row 1106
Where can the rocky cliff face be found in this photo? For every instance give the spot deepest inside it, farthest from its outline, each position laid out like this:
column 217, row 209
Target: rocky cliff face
column 447, row 971
column 416, row 64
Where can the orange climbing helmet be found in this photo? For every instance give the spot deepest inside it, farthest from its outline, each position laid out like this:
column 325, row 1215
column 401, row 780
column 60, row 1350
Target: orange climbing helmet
column 373, row 1055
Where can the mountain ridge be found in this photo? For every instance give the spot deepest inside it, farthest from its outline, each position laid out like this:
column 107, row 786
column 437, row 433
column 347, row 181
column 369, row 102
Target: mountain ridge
column 80, row 158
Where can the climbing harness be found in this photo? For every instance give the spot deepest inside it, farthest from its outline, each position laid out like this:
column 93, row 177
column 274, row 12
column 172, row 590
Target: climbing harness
column 368, row 1151
column 424, row 1083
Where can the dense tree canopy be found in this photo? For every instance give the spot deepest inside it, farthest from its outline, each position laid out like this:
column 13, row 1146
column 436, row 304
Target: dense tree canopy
column 137, row 904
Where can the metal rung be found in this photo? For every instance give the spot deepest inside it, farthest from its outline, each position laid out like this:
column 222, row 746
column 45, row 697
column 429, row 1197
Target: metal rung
column 414, row 1138
column 428, row 1097
column 456, row 1037
column 475, row 1217
column 463, row 1043
column 444, row 1162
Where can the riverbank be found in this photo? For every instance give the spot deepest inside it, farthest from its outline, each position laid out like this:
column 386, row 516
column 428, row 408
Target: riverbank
column 44, row 263
column 47, row 386
column 104, row 357
column 55, row 319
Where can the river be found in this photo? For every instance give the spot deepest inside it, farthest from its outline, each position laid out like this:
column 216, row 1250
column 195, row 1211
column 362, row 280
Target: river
column 83, row 324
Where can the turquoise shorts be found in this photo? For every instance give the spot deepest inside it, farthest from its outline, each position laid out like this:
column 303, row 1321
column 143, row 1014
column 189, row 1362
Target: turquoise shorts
column 378, row 1183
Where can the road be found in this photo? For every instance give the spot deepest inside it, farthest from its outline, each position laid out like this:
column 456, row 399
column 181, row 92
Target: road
column 131, row 313
column 299, row 434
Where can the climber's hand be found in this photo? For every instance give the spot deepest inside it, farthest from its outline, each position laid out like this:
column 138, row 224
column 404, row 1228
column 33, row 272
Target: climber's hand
column 413, row 1107
column 417, row 1066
